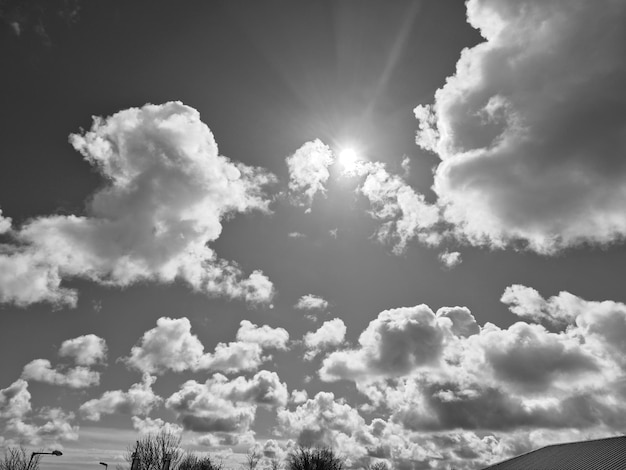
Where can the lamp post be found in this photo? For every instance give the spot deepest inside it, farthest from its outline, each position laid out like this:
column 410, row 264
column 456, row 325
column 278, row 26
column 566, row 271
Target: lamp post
column 106, row 465
column 54, row 452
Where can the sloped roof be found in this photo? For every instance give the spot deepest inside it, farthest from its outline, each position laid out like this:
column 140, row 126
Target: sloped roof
column 600, row 454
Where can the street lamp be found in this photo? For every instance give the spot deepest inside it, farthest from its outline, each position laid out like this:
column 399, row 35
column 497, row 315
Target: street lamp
column 54, row 452
column 105, row 464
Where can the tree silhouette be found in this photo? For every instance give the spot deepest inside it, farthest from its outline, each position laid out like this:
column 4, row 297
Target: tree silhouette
column 17, row 458
column 314, row 458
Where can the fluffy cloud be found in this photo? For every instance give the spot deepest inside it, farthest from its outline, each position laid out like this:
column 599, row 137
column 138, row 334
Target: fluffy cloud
column 308, row 171
column 172, row 346
column 450, row 259
column 311, row 302
column 15, row 400
column 530, row 128
column 331, row 333
column 315, row 420
column 151, row 426
column 223, row 406
column 5, row 223
column 404, row 214
column 76, row 377
column 329, row 421
column 86, row 350
column 18, row 423
column 138, row 400
column 443, row 372
column 167, row 191
column 394, row 344
column 265, row 336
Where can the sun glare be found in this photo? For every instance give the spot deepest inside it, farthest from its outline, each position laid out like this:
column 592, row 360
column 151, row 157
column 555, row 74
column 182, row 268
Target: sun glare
column 348, row 158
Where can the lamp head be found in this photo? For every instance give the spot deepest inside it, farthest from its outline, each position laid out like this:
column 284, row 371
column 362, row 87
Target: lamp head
column 56, row 452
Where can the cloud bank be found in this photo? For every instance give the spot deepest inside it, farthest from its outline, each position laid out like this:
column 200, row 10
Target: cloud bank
column 530, row 128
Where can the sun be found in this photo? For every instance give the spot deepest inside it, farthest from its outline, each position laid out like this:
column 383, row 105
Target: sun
column 348, row 158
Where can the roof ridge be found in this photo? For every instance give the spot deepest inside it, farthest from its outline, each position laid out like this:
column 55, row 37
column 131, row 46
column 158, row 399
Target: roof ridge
column 622, row 436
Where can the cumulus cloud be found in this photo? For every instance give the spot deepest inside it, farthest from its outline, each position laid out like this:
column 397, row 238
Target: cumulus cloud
column 315, row 420
column 308, row 171
column 394, row 344
column 530, row 128
column 299, row 396
column 450, row 259
column 326, row 420
column 331, row 333
column 171, row 346
column 15, row 400
column 5, row 223
column 265, row 336
column 167, row 191
column 20, row 424
column 86, row 350
column 404, row 214
column 155, row 426
column 226, row 406
column 311, row 302
column 139, row 399
column 41, row 370
column 442, row 372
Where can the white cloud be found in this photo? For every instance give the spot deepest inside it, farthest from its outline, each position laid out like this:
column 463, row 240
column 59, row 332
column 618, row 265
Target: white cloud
column 265, row 336
column 5, row 223
column 152, row 426
column 19, row 425
column 331, row 333
column 167, row 191
column 443, row 372
column 171, row 346
column 140, row 399
column 15, row 400
column 397, row 342
column 530, row 128
column 41, row 370
column 299, row 396
column 168, row 346
column 526, row 302
column 318, row 419
column 86, row 350
column 308, row 171
column 226, row 406
column 50, row 427
column 311, row 302
column 450, row 259
column 404, row 213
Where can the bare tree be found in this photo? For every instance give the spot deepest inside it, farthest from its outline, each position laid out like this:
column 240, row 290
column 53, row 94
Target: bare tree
column 191, row 461
column 380, row 465
column 154, row 448
column 17, row 458
column 253, row 457
column 314, row 458
column 275, row 463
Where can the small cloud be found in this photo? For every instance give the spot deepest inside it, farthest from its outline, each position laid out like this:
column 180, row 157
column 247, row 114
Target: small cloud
column 308, row 171
column 333, row 232
column 331, row 333
column 296, row 235
column 311, row 302
column 450, row 259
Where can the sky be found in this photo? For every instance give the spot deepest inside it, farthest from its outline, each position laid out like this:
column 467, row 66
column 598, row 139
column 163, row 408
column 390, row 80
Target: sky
column 395, row 228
